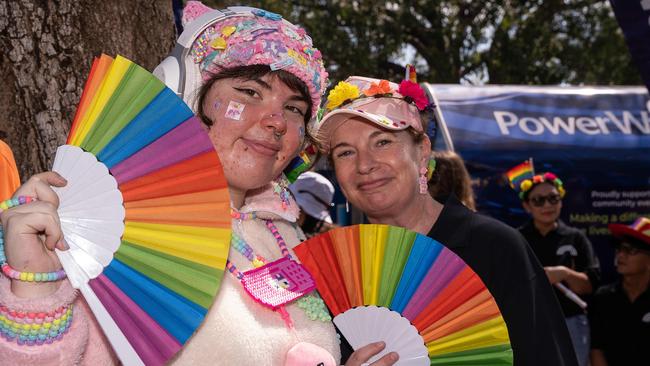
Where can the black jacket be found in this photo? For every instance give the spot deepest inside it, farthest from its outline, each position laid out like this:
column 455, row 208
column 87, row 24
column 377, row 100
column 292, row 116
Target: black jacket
column 512, row 273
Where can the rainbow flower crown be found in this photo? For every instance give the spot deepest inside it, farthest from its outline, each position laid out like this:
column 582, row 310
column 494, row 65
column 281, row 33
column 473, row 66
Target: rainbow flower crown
column 408, row 90
column 527, row 184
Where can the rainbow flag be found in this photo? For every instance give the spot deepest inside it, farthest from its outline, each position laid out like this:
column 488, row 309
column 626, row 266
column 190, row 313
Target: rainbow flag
column 410, row 73
column 520, row 173
column 297, row 166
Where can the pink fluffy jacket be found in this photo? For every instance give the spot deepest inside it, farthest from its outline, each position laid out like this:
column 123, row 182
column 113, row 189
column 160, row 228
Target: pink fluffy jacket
column 236, row 331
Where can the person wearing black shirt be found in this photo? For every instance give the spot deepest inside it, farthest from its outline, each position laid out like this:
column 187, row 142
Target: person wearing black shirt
column 565, row 252
column 620, row 312
column 509, row 269
column 374, row 137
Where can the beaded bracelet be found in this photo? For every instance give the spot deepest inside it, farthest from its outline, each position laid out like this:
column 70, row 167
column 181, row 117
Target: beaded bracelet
column 7, row 270
column 35, row 328
column 13, row 202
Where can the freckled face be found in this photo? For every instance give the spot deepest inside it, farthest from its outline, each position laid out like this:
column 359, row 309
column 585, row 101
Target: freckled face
column 255, row 148
column 377, row 169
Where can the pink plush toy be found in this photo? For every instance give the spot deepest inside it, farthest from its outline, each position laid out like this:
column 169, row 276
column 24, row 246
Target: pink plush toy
column 308, row 354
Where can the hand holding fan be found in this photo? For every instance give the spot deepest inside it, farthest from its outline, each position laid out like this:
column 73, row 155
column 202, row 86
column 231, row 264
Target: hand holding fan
column 145, row 212
column 385, row 283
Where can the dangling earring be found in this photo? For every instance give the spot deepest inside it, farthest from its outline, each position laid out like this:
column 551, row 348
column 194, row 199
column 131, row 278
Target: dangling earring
column 280, row 187
column 347, row 207
column 431, row 167
column 423, row 181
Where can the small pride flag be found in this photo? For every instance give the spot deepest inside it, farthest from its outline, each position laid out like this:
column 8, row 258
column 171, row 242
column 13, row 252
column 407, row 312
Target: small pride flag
column 299, row 164
column 410, row 74
column 520, row 173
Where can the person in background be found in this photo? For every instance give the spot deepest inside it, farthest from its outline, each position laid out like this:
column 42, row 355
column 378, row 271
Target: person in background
column 565, row 253
column 451, row 176
column 620, row 312
column 255, row 114
column 9, row 179
column 314, row 194
column 373, row 135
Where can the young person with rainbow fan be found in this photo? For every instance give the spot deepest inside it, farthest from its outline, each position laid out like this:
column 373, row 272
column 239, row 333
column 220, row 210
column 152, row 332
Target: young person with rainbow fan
column 373, row 133
column 262, row 82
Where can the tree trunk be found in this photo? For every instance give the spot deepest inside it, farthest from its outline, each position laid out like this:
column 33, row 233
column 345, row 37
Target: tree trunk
column 47, row 49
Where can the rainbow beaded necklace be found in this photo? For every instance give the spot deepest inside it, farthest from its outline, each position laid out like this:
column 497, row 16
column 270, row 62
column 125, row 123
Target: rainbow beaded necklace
column 311, row 304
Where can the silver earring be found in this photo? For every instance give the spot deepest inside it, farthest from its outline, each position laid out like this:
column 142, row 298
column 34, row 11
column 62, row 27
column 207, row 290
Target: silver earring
column 347, row 206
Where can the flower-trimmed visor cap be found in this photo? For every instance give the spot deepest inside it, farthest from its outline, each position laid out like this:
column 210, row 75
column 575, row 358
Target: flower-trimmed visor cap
column 527, row 185
column 384, row 103
column 214, row 40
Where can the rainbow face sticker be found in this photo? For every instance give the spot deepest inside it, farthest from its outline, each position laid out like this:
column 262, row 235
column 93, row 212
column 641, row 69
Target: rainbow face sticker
column 235, row 110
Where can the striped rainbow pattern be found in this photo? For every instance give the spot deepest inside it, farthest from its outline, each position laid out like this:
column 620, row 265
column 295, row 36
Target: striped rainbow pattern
column 642, row 224
column 446, row 301
column 297, row 166
column 167, row 270
column 520, row 173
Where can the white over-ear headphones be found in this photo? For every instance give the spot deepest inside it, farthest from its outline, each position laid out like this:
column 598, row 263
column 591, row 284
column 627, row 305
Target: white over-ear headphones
column 178, row 71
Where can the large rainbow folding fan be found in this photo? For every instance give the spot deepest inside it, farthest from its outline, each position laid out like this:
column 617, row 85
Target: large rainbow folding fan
column 384, row 283
column 145, row 212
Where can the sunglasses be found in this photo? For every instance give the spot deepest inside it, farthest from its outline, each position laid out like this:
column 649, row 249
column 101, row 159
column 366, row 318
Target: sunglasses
column 629, row 249
column 553, row 199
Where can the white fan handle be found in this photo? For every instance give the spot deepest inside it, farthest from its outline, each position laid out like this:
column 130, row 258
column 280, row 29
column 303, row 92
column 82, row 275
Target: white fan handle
column 121, row 345
column 571, row 295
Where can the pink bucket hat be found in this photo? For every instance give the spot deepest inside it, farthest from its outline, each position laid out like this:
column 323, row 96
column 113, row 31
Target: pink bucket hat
column 257, row 37
column 387, row 104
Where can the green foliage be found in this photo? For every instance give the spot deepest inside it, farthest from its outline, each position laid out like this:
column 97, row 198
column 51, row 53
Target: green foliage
column 500, row 42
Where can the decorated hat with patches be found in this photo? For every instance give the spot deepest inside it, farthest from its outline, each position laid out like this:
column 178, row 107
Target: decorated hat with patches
column 639, row 230
column 257, row 37
column 386, row 104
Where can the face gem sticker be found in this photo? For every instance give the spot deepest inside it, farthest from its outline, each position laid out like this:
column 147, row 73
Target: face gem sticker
column 235, row 110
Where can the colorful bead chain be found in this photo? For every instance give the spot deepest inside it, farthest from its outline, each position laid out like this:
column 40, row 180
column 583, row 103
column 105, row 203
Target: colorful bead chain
column 242, row 216
column 278, row 238
column 311, row 304
column 35, row 328
column 7, row 270
column 280, row 187
column 242, row 247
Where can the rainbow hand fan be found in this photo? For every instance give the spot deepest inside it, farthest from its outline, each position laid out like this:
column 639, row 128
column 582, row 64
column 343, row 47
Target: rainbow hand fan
column 145, row 212
column 384, row 283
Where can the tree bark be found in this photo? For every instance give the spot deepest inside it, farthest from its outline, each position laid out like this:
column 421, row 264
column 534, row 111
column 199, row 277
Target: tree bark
column 47, row 50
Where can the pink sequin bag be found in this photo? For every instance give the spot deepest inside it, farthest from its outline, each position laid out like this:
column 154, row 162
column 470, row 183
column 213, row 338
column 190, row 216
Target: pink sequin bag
column 278, row 282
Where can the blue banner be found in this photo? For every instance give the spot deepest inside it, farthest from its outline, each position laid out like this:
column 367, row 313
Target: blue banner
column 597, row 140
column 634, row 18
